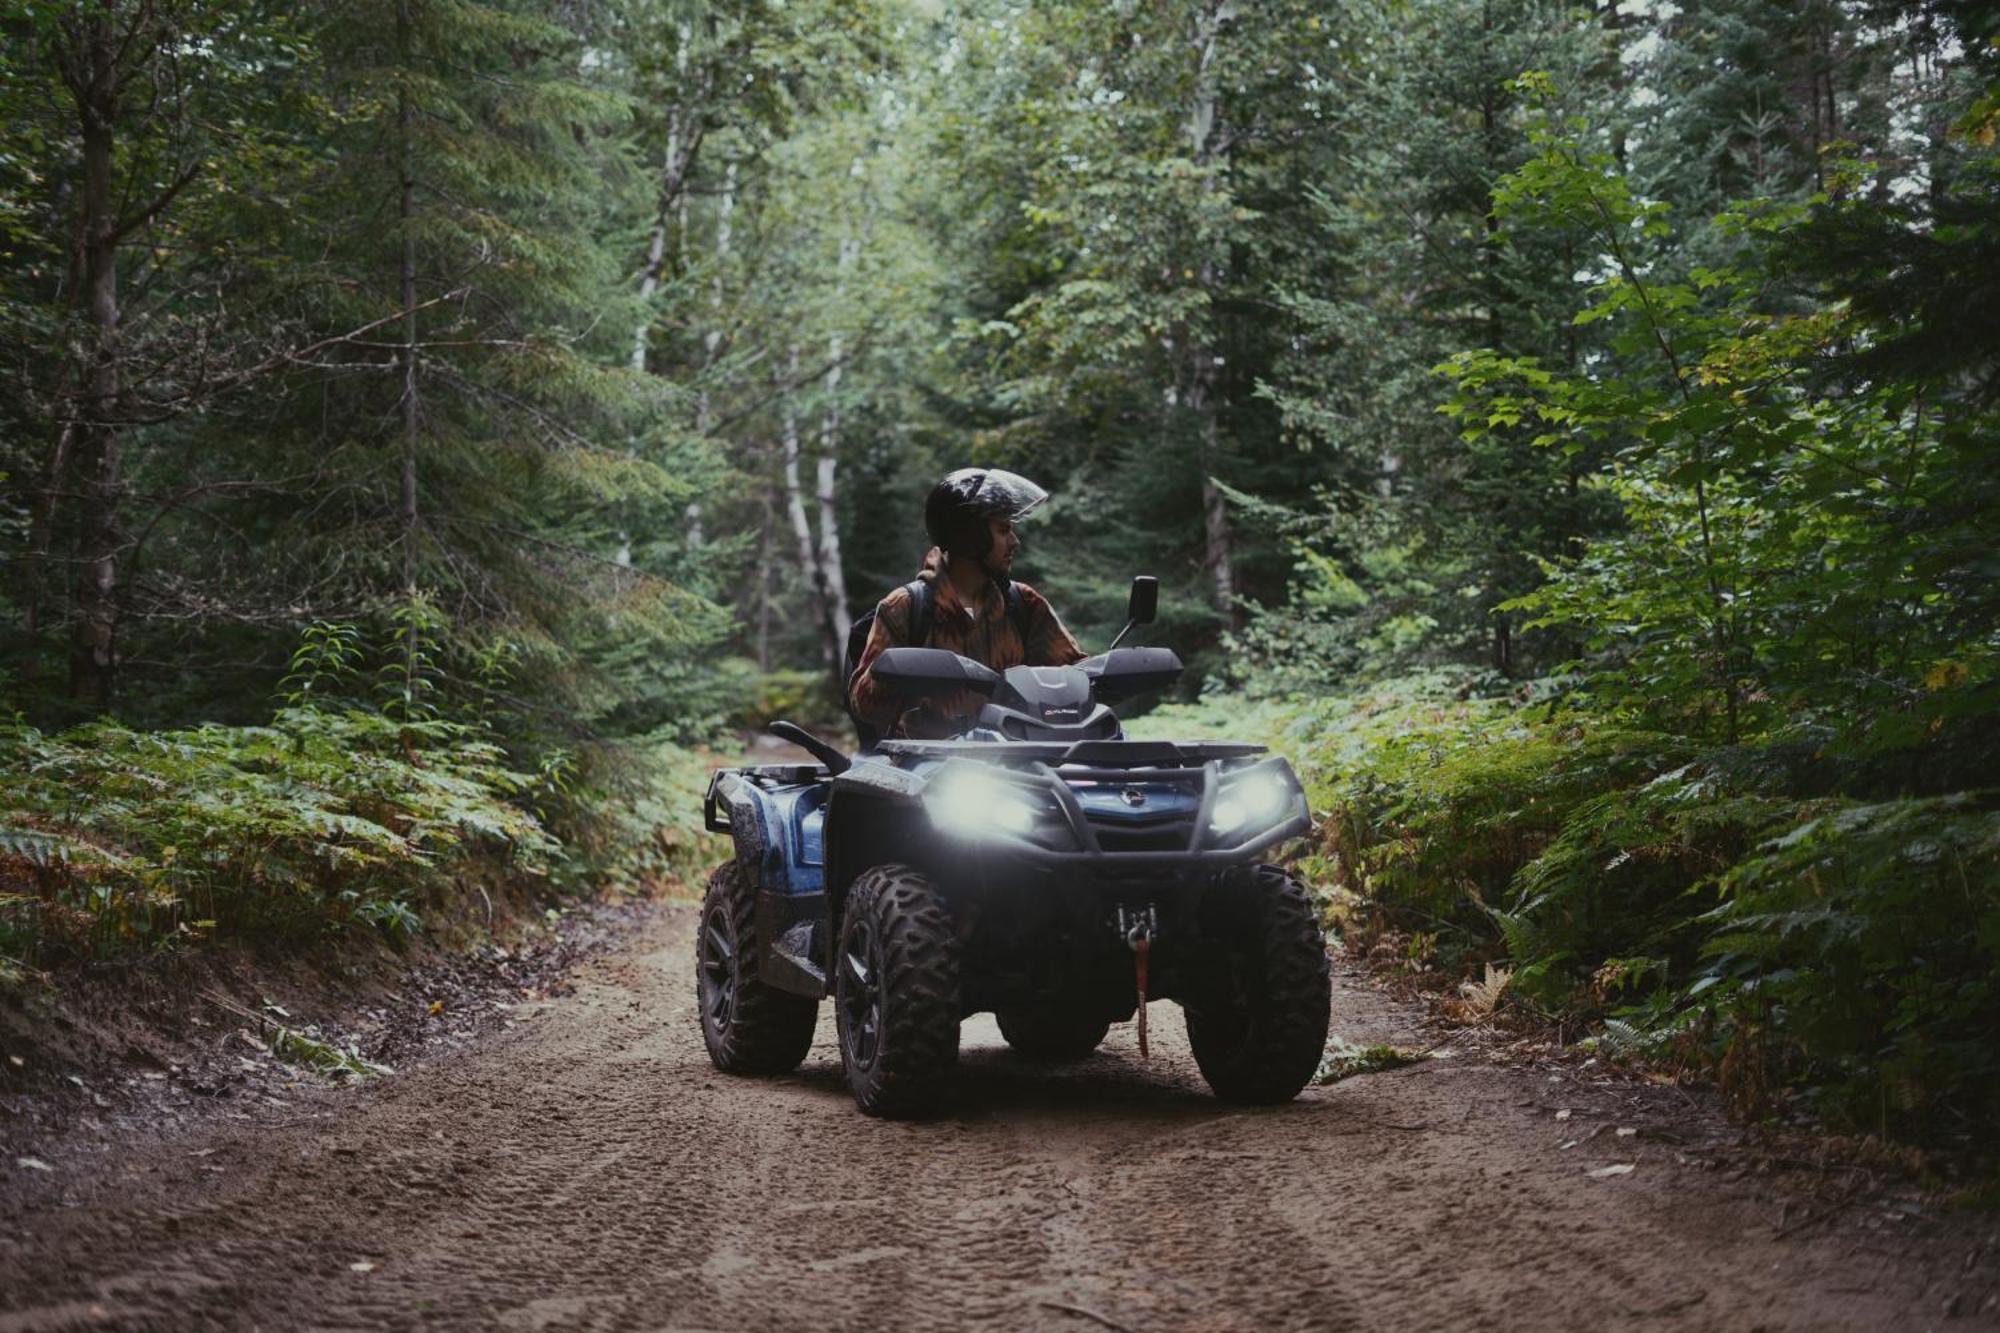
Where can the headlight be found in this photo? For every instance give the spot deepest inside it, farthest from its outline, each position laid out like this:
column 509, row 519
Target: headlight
column 1255, row 800
column 972, row 802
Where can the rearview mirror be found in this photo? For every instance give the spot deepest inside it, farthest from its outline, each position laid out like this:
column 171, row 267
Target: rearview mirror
column 1141, row 606
column 931, row 671
column 1144, row 602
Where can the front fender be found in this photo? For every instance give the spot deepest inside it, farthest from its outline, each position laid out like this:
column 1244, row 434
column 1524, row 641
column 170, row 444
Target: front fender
column 731, row 806
column 874, row 814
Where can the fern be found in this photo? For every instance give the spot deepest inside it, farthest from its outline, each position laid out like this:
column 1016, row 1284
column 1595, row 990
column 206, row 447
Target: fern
column 132, row 834
column 1745, row 909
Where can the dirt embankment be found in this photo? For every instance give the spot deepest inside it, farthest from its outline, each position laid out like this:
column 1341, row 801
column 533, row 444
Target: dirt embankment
column 587, row 1169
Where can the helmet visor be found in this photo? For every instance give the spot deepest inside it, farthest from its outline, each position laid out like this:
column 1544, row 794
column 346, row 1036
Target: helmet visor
column 1009, row 493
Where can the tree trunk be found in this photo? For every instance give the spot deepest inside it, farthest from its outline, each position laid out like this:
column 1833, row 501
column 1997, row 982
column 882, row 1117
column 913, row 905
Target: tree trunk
column 765, row 536
column 683, row 143
column 41, row 533
column 94, row 646
column 795, row 510
column 1490, row 139
column 1209, row 144
column 1218, row 541
column 711, row 342
column 407, row 294
column 832, row 579
column 656, row 262
column 725, row 238
column 406, row 290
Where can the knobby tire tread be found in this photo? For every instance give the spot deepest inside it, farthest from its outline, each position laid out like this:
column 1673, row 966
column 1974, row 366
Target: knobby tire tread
column 917, row 1050
column 1280, row 1051
column 770, row 1030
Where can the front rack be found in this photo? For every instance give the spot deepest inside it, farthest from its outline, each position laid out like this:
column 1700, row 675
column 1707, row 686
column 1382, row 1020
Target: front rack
column 1120, row 755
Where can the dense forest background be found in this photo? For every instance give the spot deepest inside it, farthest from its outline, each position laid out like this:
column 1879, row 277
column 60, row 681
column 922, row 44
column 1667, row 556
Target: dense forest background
column 1569, row 430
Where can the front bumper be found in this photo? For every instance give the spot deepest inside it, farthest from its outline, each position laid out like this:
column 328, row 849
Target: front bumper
column 1080, row 828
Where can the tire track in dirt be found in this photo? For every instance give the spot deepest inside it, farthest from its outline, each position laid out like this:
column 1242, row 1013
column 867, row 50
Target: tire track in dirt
column 588, row 1169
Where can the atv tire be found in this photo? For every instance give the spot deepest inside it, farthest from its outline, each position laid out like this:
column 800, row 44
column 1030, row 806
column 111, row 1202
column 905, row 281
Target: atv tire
column 1258, row 1023
column 1048, row 1033
column 896, row 993
column 748, row 1027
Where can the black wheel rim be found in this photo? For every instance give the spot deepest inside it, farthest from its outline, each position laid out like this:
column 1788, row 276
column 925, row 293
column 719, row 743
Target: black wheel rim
column 860, row 995
column 718, row 970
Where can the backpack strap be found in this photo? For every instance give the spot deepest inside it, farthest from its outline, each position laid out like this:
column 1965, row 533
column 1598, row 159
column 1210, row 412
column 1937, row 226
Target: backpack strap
column 1017, row 611
column 857, row 642
column 922, row 599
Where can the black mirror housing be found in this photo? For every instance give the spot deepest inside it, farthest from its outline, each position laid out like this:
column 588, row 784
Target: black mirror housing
column 931, row 671
column 1144, row 603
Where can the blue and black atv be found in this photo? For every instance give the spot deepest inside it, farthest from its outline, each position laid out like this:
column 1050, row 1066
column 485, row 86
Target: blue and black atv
column 1037, row 865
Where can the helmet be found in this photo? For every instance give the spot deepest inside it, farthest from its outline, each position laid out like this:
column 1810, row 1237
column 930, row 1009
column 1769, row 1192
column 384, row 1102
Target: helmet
column 957, row 511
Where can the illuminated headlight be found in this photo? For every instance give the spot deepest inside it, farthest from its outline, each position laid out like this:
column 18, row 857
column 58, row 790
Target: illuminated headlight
column 1256, row 800
column 973, row 802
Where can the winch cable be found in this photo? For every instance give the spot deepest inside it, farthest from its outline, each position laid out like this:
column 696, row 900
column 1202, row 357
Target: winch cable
column 1140, row 948
column 1138, row 929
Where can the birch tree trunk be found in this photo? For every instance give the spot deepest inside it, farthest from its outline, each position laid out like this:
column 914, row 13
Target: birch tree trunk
column 711, row 341
column 725, row 235
column 1209, row 145
column 656, row 262
column 831, row 577
column 839, row 621
column 795, row 510
column 684, row 135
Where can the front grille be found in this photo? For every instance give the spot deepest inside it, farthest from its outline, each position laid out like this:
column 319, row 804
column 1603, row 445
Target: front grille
column 1166, row 838
column 1141, row 831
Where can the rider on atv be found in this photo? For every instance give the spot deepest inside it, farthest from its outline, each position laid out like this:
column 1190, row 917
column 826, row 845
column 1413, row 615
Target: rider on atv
column 1017, row 855
column 964, row 601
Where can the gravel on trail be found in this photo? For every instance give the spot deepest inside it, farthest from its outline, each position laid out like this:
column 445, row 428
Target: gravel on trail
column 586, row 1168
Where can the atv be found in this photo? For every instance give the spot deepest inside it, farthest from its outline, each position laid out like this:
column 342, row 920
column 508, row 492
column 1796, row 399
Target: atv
column 1038, row 865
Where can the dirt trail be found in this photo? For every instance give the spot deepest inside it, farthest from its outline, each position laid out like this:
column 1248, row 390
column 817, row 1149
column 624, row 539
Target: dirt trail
column 587, row 1169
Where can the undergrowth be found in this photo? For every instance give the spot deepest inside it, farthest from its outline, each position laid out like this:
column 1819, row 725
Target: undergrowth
column 351, row 809
column 114, row 838
column 1769, row 914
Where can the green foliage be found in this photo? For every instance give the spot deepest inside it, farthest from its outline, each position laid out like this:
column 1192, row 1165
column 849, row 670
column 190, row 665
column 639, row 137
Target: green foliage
column 804, row 697
column 1719, row 908
column 1861, row 948
column 1775, row 560
column 1751, row 828
column 335, row 813
column 1680, row 617
column 115, row 839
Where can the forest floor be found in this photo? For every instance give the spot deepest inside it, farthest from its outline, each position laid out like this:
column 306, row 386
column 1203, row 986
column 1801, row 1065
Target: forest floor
column 581, row 1165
